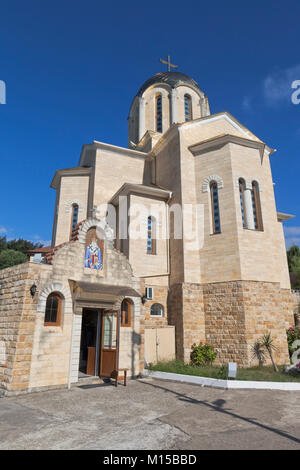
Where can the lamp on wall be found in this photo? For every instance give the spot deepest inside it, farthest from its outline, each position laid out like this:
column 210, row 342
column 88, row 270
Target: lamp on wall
column 33, row 290
column 144, row 299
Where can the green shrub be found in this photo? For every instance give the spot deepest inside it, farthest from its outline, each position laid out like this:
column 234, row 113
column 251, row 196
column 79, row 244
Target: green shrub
column 202, row 354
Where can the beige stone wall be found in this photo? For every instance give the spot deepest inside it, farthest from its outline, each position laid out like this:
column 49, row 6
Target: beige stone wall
column 268, row 308
column 112, row 170
column 225, row 321
column 240, row 312
column 168, row 175
column 160, row 297
column 72, row 189
column 262, row 253
column 17, row 323
column 230, row 316
column 143, row 263
column 39, row 356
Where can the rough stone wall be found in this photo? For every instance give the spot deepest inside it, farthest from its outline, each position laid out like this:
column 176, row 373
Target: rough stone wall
column 230, row 316
column 193, row 317
column 175, row 306
column 160, row 297
column 225, row 321
column 17, row 320
column 268, row 308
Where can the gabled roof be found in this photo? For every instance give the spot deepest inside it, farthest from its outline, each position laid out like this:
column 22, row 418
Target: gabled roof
column 75, row 171
column 224, row 139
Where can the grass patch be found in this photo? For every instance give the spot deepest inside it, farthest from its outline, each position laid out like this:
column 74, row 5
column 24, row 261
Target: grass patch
column 265, row 373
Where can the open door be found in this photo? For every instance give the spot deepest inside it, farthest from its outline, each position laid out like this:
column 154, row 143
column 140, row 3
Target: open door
column 109, row 343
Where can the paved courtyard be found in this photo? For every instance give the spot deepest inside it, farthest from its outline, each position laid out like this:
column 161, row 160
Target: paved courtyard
column 151, row 414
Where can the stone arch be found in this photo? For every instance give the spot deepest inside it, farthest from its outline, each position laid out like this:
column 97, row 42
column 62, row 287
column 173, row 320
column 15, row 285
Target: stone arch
column 61, row 289
column 69, row 204
column 100, row 225
column 209, row 179
column 136, row 303
column 248, row 182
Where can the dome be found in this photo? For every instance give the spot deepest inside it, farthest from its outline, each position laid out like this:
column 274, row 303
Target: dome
column 173, row 79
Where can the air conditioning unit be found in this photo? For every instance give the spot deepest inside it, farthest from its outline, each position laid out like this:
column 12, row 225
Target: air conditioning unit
column 149, row 293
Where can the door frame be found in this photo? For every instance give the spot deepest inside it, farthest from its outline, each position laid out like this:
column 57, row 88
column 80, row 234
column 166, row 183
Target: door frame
column 100, row 346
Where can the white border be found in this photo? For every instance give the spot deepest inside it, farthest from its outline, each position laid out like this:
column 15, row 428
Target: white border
column 219, row 383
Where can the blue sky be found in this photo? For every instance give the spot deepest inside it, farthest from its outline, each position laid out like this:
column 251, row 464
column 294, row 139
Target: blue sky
column 71, row 69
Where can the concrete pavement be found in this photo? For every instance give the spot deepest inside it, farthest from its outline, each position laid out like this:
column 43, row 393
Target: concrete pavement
column 151, row 414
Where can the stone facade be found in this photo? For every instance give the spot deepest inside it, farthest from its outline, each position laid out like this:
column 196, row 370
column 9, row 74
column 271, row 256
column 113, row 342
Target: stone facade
column 225, row 287
column 231, row 316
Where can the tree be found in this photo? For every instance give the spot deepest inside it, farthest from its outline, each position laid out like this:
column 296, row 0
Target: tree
column 22, row 245
column 11, row 257
column 268, row 343
column 293, row 257
column 15, row 251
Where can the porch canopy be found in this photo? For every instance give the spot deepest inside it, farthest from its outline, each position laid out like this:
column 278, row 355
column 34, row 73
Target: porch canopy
column 98, row 295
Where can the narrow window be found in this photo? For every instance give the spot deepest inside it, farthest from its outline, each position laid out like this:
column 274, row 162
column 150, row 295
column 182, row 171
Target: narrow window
column 188, row 107
column 53, row 310
column 74, row 217
column 242, row 200
column 157, row 310
column 158, row 105
column 215, row 207
column 256, row 206
column 151, row 239
column 126, row 313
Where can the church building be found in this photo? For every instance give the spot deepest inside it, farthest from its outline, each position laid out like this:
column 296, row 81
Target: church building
column 172, row 241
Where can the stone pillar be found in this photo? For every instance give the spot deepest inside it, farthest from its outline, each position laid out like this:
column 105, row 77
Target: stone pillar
column 142, row 117
column 249, row 216
column 174, row 106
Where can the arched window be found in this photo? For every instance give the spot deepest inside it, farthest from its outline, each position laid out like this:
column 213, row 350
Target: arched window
column 242, row 186
column 74, row 217
column 158, row 110
column 151, row 236
column 126, row 312
column 157, row 310
column 216, row 223
column 188, row 108
column 53, row 310
column 256, row 206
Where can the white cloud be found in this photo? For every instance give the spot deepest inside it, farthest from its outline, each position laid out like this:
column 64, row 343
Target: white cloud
column 3, row 230
column 277, row 86
column 247, row 103
column 38, row 239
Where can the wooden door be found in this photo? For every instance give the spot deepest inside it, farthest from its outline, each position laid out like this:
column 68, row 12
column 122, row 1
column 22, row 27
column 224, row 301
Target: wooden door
column 109, row 343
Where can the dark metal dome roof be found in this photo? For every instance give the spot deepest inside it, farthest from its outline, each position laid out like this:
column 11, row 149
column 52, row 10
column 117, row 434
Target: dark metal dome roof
column 171, row 78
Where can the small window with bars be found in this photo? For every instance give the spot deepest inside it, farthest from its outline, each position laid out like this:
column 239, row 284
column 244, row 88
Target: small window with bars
column 158, row 113
column 216, row 222
column 151, row 241
column 242, row 186
column 188, row 108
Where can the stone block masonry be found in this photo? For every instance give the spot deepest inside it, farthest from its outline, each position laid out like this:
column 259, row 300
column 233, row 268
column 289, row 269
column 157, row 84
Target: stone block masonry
column 231, row 316
column 17, row 320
